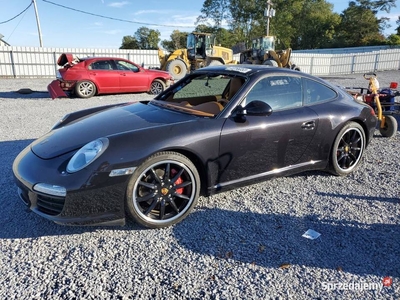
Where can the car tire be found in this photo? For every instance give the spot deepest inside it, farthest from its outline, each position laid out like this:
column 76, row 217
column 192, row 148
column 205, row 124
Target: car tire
column 390, row 128
column 347, row 150
column 270, row 62
column 177, row 68
column 214, row 62
column 85, row 89
column 163, row 190
column 156, row 87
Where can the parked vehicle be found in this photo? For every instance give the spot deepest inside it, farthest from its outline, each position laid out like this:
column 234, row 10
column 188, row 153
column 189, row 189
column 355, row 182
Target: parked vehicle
column 86, row 77
column 263, row 52
column 201, row 51
column 383, row 101
column 216, row 129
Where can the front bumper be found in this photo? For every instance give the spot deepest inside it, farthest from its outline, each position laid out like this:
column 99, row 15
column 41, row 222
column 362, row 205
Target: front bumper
column 92, row 197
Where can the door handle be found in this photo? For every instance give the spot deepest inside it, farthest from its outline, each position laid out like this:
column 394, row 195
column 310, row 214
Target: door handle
column 122, row 74
column 308, row 125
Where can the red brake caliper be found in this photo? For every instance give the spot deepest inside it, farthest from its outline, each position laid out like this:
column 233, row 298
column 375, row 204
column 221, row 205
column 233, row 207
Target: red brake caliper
column 178, row 181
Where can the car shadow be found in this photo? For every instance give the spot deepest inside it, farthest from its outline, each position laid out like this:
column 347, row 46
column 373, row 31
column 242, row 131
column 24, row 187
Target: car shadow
column 275, row 241
column 33, row 95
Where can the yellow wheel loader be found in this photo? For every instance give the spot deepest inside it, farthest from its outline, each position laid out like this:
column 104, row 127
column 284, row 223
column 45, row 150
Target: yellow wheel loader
column 201, row 51
column 263, row 52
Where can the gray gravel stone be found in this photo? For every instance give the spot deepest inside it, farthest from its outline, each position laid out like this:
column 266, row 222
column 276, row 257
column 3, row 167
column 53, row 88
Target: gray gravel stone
column 243, row 244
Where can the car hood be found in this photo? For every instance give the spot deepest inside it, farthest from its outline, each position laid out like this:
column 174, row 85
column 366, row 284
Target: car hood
column 134, row 117
column 157, row 71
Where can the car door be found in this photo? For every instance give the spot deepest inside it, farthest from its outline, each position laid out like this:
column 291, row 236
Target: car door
column 104, row 76
column 132, row 78
column 262, row 144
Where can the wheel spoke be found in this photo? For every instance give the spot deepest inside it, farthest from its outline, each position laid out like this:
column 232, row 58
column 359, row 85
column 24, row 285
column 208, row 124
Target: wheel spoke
column 357, row 140
column 352, row 157
column 173, row 205
column 182, row 196
column 162, row 209
column 167, row 172
column 148, row 185
column 182, row 185
column 354, row 137
column 145, row 198
column 155, row 175
column 151, row 207
column 343, row 162
column 340, row 157
column 179, row 174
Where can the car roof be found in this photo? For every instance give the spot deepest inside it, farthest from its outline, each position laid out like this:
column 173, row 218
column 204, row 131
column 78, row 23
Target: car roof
column 101, row 58
column 248, row 70
column 245, row 69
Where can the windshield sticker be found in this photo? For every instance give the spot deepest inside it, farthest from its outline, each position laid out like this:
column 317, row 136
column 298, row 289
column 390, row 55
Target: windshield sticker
column 238, row 69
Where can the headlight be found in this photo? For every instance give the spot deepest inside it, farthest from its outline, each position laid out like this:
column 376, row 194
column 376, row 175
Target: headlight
column 87, row 154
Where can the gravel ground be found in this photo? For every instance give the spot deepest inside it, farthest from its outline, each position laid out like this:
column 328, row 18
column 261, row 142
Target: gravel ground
column 243, row 244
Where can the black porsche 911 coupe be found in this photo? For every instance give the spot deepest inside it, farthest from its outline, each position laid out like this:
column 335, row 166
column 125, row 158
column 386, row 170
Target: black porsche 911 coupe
column 216, row 129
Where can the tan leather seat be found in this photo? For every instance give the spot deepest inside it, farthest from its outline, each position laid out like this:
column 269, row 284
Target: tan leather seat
column 209, row 107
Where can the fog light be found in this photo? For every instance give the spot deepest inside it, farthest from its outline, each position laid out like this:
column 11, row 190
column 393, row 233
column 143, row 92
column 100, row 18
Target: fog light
column 50, row 189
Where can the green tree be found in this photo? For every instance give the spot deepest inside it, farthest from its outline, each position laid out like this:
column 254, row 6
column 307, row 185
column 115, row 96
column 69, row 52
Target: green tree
column 214, row 10
column 129, row 42
column 393, row 40
column 315, row 25
column 147, row 38
column 247, row 19
column 359, row 27
column 178, row 41
column 144, row 38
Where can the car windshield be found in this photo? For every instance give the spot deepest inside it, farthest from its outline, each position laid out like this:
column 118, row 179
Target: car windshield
column 201, row 94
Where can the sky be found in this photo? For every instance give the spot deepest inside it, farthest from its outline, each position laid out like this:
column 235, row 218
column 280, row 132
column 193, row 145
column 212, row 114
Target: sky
column 61, row 27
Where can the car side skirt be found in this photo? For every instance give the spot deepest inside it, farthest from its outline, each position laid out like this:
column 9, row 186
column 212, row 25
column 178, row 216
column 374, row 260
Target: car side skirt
column 306, row 166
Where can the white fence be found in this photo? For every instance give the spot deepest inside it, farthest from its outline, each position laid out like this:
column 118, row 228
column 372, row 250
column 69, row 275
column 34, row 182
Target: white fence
column 34, row 62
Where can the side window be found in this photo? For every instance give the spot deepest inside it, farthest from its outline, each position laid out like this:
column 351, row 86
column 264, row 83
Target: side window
column 280, row 92
column 101, row 65
column 126, row 66
column 316, row 92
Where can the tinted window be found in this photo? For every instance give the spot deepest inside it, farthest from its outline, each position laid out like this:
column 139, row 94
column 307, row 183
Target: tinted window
column 126, row 66
column 316, row 92
column 101, row 65
column 280, row 92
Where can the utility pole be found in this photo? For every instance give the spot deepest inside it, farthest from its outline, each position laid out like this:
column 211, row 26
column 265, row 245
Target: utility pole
column 269, row 13
column 38, row 23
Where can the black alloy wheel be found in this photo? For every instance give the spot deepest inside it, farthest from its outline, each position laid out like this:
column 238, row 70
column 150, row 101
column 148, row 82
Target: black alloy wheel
column 163, row 190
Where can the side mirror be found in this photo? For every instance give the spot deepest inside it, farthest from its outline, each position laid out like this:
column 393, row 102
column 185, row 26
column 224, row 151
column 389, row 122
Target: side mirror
column 257, row 108
column 254, row 108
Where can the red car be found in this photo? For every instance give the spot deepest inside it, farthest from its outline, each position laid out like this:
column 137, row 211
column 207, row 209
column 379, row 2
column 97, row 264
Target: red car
column 86, row 77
